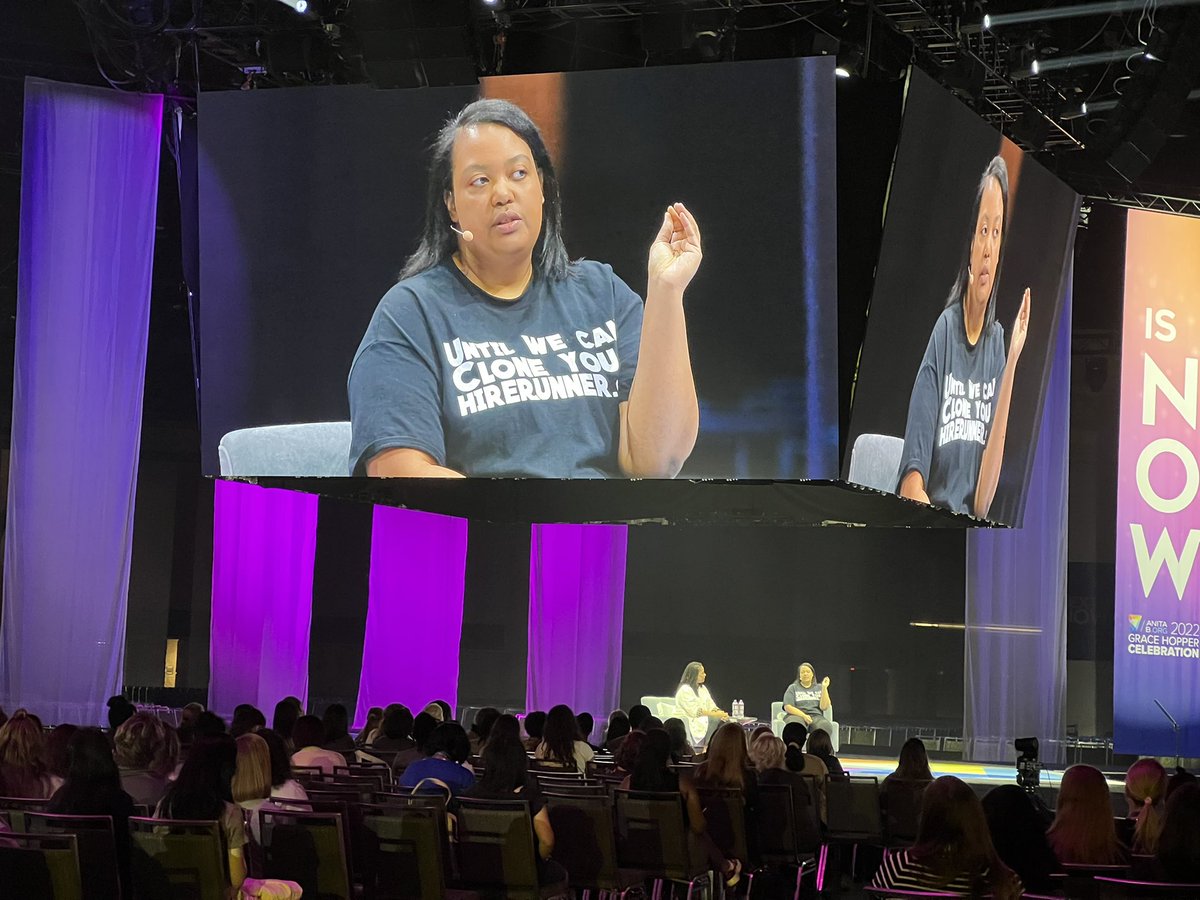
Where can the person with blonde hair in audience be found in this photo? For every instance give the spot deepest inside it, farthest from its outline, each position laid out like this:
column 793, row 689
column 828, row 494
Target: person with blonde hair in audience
column 561, row 744
column 769, row 756
column 308, row 735
column 1145, row 793
column 23, row 769
column 251, row 785
column 1083, row 832
column 953, row 852
column 146, row 751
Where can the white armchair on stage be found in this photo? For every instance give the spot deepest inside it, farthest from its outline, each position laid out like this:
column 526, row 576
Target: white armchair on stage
column 663, row 707
column 779, row 719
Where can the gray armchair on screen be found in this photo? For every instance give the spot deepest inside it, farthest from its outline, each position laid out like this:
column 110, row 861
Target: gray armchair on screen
column 875, row 461
column 310, row 450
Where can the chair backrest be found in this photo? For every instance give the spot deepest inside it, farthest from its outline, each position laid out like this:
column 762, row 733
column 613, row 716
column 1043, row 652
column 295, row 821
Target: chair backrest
column 308, row 848
column 585, row 839
column 13, row 809
column 1110, row 887
column 97, row 849
column 495, row 846
column 404, row 854
column 784, row 832
column 875, row 461
column 45, row 866
column 175, row 858
column 852, row 808
column 902, row 810
column 310, row 449
column 894, row 892
column 725, row 814
column 652, row 835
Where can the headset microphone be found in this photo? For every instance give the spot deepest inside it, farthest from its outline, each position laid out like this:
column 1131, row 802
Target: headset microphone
column 465, row 235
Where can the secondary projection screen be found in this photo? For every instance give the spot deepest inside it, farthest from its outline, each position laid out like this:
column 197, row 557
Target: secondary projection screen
column 1156, row 657
column 312, row 199
column 975, row 247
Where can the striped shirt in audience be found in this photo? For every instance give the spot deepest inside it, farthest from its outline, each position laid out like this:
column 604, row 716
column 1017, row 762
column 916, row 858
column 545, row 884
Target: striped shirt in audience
column 903, row 873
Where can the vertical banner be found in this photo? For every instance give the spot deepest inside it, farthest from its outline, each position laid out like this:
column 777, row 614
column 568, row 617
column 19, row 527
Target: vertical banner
column 576, row 614
column 264, row 543
column 1157, row 634
column 414, row 611
column 89, row 185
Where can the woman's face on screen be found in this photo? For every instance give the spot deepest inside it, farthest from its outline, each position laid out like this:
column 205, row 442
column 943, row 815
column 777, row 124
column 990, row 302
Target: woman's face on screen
column 496, row 191
column 985, row 243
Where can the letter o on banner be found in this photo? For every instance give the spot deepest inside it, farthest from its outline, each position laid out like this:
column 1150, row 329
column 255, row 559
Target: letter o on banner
column 1192, row 470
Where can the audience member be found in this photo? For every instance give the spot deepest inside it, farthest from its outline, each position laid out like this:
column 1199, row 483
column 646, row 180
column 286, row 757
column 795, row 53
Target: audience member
column 651, row 771
column 284, row 719
column 637, row 713
column 3, row 717
column 506, row 777
column 434, row 709
column 615, row 730
column 246, row 718
column 395, row 729
column 681, row 745
column 1178, row 779
column 768, row 754
column 251, row 784
column 727, row 765
column 1145, row 793
column 308, row 734
column 1018, row 829
column 953, row 852
column 820, row 745
column 447, row 712
column 93, row 788
column 481, row 728
column 283, row 785
column 337, row 729
column 913, row 764
column 23, row 771
column 146, row 752
column 535, row 723
column 445, row 752
column 119, row 709
column 560, row 741
column 208, row 725
column 187, row 723
column 627, row 753
column 1083, row 832
column 57, row 758
column 587, row 724
column 370, row 730
column 422, row 728
column 1178, row 852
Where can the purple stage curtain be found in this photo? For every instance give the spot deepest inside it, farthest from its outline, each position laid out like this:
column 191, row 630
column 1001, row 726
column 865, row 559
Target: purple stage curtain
column 264, row 544
column 89, row 184
column 1016, row 610
column 576, row 614
column 414, row 610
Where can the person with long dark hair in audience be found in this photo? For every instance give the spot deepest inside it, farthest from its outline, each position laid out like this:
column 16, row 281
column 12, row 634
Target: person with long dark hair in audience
column 287, row 711
column 1145, row 793
column 337, row 729
column 728, row 765
column 395, row 729
column 203, row 791
column 651, row 771
column 492, row 266
column 1018, row 830
column 1083, row 832
column 506, row 776
column 119, row 709
column 446, row 751
column 681, row 744
column 953, row 852
column 482, row 727
column 696, row 705
column 560, row 741
column 1178, row 853
column 370, row 730
column 146, row 751
column 535, row 724
column 283, row 785
column 56, row 755
column 625, row 757
column 93, row 788
column 308, row 735
column 23, row 770
column 615, row 730
column 955, row 461
column 820, row 745
column 422, row 727
column 913, row 763
column 795, row 734
column 246, row 718
column 587, row 724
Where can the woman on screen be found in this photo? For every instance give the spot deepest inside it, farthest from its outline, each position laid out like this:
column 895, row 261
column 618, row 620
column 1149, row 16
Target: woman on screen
column 697, row 708
column 958, row 412
column 497, row 356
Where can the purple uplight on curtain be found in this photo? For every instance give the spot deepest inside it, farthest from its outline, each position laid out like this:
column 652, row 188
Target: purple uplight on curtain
column 414, row 610
column 264, row 544
column 576, row 613
column 89, row 184
column 1016, row 609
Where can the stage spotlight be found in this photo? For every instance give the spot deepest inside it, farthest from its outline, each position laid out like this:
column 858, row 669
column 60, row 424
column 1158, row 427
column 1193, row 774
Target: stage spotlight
column 841, row 72
column 987, row 22
column 300, row 6
column 1029, row 774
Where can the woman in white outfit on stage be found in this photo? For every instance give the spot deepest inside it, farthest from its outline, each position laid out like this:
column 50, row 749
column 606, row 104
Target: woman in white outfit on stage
column 697, row 708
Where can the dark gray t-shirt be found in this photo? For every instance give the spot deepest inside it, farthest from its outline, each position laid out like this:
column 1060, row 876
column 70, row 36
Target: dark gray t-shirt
column 951, row 408
column 487, row 387
column 807, row 699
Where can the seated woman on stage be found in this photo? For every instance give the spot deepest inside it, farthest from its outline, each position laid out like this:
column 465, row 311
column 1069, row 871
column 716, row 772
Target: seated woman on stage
column 697, row 708
column 806, row 699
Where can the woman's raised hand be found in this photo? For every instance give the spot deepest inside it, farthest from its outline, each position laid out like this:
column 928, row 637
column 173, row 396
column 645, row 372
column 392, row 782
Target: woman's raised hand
column 675, row 254
column 1020, row 329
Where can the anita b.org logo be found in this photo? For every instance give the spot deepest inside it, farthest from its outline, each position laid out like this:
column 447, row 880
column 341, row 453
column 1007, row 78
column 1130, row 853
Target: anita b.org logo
column 1135, row 623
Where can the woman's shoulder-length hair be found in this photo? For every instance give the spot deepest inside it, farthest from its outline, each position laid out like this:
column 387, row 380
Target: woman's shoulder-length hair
column 438, row 242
